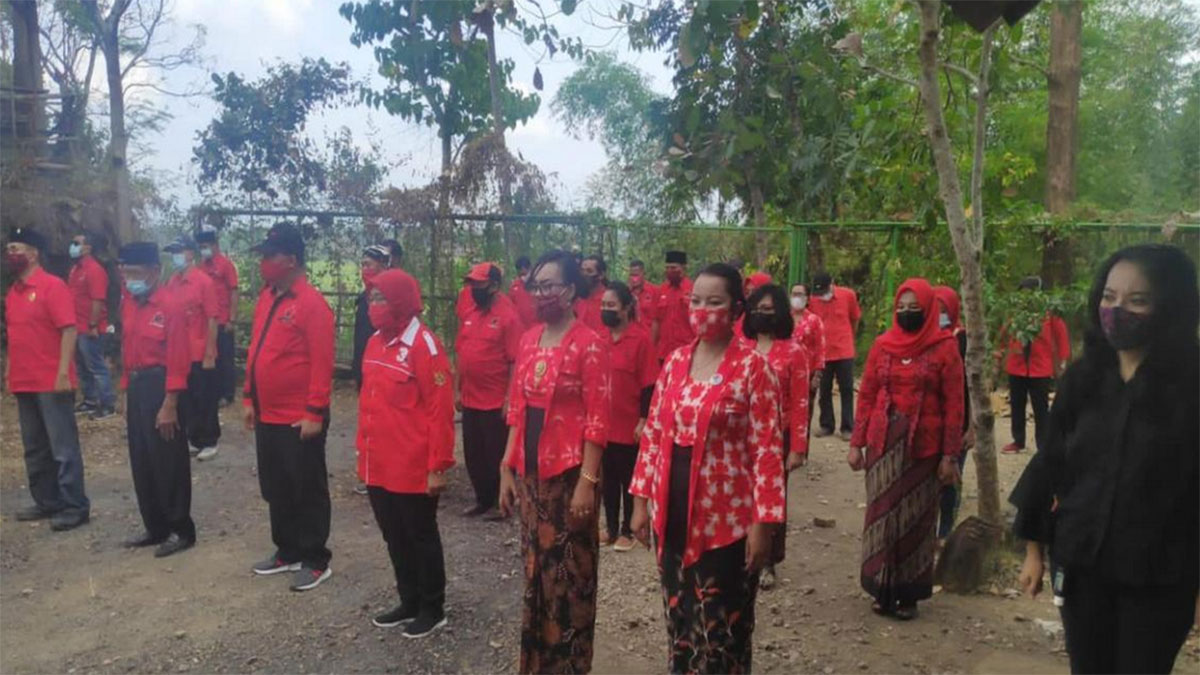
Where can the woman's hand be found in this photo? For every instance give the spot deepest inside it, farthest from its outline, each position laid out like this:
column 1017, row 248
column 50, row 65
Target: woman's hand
column 583, row 501
column 948, row 470
column 855, row 459
column 248, row 418
column 1032, row 570
column 640, row 521
column 758, row 546
column 508, row 491
column 795, row 460
column 637, row 430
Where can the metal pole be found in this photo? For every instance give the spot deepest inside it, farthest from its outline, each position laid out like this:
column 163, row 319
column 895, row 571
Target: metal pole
column 893, row 255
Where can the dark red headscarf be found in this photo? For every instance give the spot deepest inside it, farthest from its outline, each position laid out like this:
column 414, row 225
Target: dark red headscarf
column 900, row 343
column 953, row 307
column 403, row 296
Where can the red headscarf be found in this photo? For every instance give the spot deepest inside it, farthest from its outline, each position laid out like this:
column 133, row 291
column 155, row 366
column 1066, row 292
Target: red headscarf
column 756, row 280
column 899, row 342
column 403, row 296
column 953, row 307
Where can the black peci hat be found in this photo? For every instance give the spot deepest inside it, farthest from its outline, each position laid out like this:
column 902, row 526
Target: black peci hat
column 283, row 237
column 180, row 243
column 677, row 257
column 138, row 253
column 821, row 282
column 29, row 237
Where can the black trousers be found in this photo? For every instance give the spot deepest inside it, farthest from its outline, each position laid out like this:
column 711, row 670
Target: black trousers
column 618, row 462
column 162, row 469
column 1037, row 391
column 484, row 434
column 226, row 375
column 843, row 370
column 201, row 405
column 295, row 484
column 409, row 526
column 1114, row 628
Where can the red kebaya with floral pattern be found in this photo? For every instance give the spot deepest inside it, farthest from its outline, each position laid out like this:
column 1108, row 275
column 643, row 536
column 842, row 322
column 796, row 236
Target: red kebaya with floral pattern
column 810, row 332
column 790, row 362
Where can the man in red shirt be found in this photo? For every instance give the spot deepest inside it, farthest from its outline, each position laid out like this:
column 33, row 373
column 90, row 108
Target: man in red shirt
column 840, row 315
column 197, row 297
column 671, row 326
column 489, row 336
column 521, row 300
column 89, row 288
column 225, row 282
column 40, row 320
column 156, row 358
column 595, row 274
column 289, row 375
column 645, row 294
column 1031, row 368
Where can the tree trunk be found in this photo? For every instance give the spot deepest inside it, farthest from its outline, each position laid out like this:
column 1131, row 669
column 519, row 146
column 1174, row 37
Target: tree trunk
column 440, row 244
column 118, row 144
column 758, row 210
column 27, row 79
column 969, row 263
column 488, row 25
column 1062, row 79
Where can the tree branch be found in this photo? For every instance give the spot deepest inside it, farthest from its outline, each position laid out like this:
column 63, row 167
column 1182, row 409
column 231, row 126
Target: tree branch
column 888, row 74
column 982, row 92
column 955, row 68
column 1031, row 64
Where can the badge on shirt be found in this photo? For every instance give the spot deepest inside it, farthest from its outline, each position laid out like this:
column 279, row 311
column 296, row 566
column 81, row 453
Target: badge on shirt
column 32, row 296
column 494, row 323
column 717, row 378
column 288, row 315
column 402, row 355
column 159, row 320
column 439, row 378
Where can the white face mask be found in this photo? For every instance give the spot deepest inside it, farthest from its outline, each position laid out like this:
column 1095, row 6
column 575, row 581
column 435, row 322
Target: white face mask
column 826, row 296
column 206, row 253
column 178, row 261
column 944, row 320
column 799, row 302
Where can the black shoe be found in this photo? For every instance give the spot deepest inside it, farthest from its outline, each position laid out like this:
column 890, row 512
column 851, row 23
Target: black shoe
column 68, row 520
column 174, row 544
column 477, row 510
column 143, row 540
column 102, row 414
column 34, row 512
column 398, row 615
column 84, row 407
column 424, row 625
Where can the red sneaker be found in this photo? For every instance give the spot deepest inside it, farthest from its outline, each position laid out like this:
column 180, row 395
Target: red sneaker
column 1012, row 449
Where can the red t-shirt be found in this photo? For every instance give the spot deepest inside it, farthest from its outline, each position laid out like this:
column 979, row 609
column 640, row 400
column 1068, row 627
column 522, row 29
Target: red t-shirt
column 289, row 367
column 523, row 302
column 155, row 333
column 839, row 315
column 1048, row 349
column 88, row 282
column 36, row 311
column 634, row 367
column 405, row 411
column 486, row 346
column 671, row 312
column 587, row 310
column 646, row 298
column 225, row 280
column 197, row 295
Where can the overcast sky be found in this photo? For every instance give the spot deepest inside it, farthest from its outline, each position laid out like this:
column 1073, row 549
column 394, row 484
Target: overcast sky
column 246, row 36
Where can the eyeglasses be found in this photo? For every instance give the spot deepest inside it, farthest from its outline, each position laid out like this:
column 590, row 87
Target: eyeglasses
column 546, row 288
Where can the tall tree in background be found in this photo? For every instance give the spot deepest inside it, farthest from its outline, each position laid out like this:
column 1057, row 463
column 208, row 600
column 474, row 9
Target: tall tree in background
column 1062, row 136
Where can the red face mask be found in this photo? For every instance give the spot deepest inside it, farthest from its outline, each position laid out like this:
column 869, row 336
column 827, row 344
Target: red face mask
column 272, row 270
column 17, row 262
column 382, row 318
column 674, row 276
column 636, row 280
column 369, row 273
column 549, row 308
column 710, row 323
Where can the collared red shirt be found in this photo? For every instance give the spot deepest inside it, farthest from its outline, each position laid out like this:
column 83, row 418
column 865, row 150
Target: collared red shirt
column 737, row 476
column 671, row 311
column 289, row 366
column 577, row 382
column 646, row 298
column 1050, row 348
column 523, row 302
column 634, row 367
column 155, row 333
column 89, row 282
column 587, row 310
column 225, row 280
column 486, row 346
column 197, row 296
column 839, row 316
column 36, row 311
column 405, row 411
column 810, row 333
column 790, row 362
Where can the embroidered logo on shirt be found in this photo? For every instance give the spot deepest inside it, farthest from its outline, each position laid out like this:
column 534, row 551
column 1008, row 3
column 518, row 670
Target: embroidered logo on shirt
column 439, row 378
column 288, row 315
column 32, row 296
column 402, row 355
column 494, row 323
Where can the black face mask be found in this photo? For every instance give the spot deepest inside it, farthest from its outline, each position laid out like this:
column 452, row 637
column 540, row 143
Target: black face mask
column 760, row 323
column 482, row 297
column 610, row 318
column 910, row 322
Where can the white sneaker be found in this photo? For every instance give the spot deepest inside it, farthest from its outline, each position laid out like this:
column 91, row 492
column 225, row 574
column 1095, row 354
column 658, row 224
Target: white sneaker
column 193, row 450
column 206, row 453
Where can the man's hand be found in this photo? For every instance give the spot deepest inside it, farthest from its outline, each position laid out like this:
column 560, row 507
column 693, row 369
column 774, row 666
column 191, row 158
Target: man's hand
column 457, row 404
column 92, row 331
column 308, row 428
column 1030, row 578
column 248, row 417
column 436, row 483
column 948, row 470
column 167, row 421
column 62, row 383
column 209, row 362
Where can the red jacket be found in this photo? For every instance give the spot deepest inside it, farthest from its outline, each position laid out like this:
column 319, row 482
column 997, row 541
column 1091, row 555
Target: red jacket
column 810, row 332
column 485, row 347
column 36, row 312
column 737, row 471
column 927, row 388
column 523, row 302
column 634, row 367
column 1048, row 349
column 580, row 395
column 840, row 316
column 405, row 411
column 88, row 282
column 194, row 291
column 225, row 281
column 789, row 360
column 289, row 365
column 671, row 313
column 155, row 333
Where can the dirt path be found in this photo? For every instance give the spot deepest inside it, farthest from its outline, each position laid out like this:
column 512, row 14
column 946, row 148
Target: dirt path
column 78, row 602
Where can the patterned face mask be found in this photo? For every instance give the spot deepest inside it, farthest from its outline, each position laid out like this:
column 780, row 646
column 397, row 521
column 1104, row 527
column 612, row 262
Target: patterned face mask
column 710, row 323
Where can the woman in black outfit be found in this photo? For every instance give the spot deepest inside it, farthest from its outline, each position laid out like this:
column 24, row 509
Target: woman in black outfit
column 1115, row 493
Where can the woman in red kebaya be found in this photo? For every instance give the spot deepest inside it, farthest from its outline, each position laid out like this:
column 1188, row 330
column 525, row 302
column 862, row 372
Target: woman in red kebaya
column 768, row 330
column 405, row 445
column 634, row 369
column 709, row 482
column 558, row 414
column 909, row 419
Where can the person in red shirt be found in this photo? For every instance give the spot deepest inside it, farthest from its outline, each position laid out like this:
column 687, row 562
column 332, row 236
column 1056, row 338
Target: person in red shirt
column 224, row 275
column 1031, row 367
column 487, row 344
column 671, row 327
column 375, row 259
column 289, row 375
column 88, row 282
column 837, row 307
column 634, row 370
column 810, row 333
column 910, row 410
column 559, row 406
column 39, row 318
column 197, row 296
column 709, row 481
column 646, row 295
column 521, row 300
column 587, row 307
column 768, row 329
column 405, row 446
column 948, row 320
column 156, row 356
